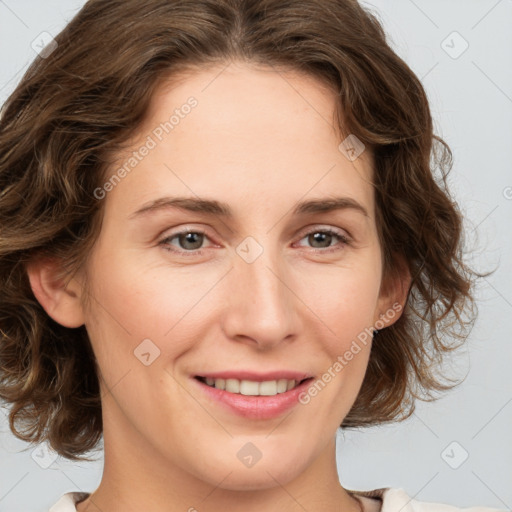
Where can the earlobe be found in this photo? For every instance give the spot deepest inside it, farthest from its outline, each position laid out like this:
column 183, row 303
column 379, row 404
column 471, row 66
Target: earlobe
column 59, row 298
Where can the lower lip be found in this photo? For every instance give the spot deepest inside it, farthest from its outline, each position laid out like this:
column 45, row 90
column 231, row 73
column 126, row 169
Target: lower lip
column 256, row 407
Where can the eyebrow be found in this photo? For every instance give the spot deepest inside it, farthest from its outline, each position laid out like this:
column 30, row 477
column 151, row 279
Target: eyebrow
column 216, row 208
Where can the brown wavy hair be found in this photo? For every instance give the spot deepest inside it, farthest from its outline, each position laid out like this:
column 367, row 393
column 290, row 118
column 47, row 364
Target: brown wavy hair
column 75, row 109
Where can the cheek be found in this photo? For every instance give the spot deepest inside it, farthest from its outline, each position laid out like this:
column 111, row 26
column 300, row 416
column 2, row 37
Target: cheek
column 345, row 310
column 132, row 303
column 343, row 300
column 140, row 298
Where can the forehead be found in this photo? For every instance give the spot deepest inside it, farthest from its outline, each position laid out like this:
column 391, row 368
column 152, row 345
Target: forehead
column 252, row 130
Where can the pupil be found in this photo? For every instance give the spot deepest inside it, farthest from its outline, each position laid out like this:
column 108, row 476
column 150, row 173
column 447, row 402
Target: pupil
column 189, row 238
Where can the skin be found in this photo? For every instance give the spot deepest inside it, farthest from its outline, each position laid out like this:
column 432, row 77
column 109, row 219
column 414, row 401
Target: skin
column 260, row 141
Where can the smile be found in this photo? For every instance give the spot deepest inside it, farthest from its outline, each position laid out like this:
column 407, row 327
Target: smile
column 253, row 399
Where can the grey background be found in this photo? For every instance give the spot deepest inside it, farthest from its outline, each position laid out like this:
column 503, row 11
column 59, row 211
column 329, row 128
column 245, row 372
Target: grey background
column 471, row 98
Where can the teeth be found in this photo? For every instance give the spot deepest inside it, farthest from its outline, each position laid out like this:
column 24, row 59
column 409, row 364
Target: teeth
column 252, row 388
column 282, row 385
column 290, row 384
column 232, row 385
column 247, row 387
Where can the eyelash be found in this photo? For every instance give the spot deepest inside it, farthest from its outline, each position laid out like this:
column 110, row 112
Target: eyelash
column 199, row 252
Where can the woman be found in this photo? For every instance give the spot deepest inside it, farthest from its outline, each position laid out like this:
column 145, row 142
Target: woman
column 290, row 146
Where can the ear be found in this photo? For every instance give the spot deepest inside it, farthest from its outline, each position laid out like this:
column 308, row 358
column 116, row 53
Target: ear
column 60, row 299
column 393, row 295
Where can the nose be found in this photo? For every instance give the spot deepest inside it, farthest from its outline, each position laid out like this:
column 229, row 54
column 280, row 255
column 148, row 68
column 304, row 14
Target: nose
column 261, row 307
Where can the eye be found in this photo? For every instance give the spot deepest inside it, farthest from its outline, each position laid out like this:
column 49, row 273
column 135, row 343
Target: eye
column 321, row 239
column 188, row 241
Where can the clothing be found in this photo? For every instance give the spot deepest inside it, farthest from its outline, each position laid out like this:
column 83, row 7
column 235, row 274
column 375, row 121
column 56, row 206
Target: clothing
column 385, row 499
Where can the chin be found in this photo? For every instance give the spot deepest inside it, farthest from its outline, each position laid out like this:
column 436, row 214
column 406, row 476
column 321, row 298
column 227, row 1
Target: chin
column 257, row 479
column 270, row 467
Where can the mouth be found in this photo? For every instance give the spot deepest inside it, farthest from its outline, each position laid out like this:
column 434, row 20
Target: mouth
column 252, row 396
column 249, row 387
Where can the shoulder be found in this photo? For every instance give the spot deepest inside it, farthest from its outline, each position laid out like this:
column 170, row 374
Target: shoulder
column 397, row 500
column 67, row 502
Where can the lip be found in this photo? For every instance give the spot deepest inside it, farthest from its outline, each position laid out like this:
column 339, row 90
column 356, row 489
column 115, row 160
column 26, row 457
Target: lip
column 254, row 407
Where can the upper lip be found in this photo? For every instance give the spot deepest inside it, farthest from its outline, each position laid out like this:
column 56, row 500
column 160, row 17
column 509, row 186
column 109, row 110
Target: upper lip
column 256, row 376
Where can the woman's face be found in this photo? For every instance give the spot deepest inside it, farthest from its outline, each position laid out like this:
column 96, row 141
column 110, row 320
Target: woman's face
column 269, row 284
